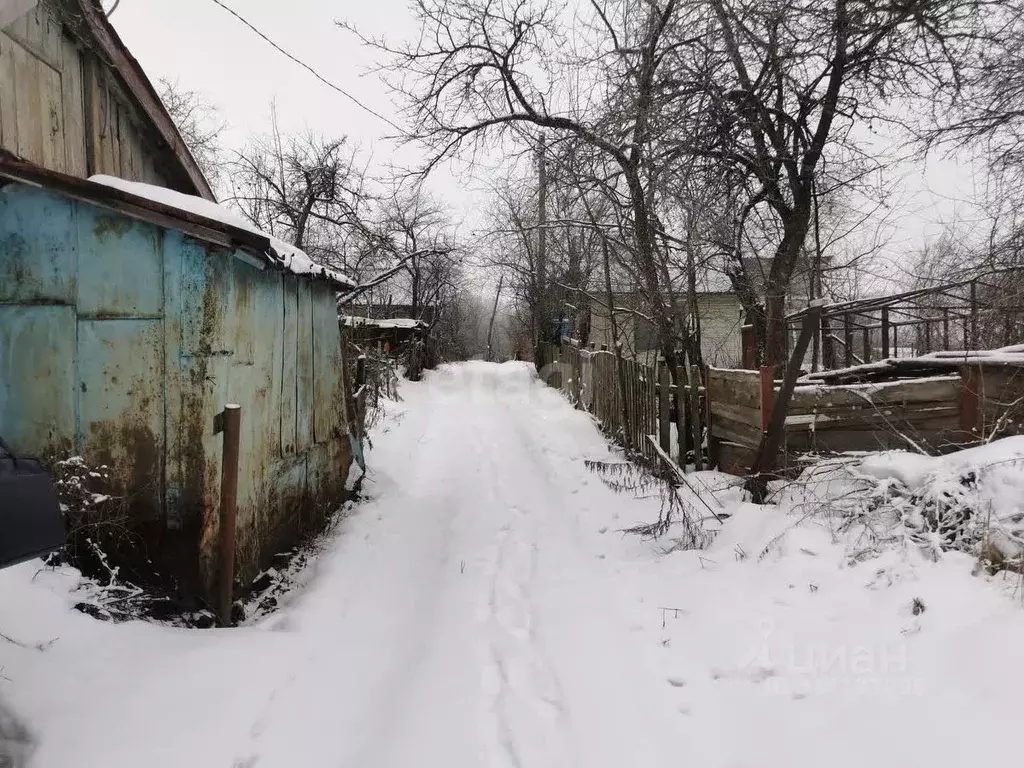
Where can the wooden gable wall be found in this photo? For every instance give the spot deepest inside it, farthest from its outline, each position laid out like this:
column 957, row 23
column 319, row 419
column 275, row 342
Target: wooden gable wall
column 62, row 108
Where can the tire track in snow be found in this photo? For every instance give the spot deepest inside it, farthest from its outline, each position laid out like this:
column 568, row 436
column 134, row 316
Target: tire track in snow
column 527, row 704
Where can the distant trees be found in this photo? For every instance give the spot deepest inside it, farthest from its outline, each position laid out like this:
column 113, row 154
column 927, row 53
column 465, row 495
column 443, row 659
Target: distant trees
column 199, row 124
column 307, row 190
column 756, row 101
column 391, row 236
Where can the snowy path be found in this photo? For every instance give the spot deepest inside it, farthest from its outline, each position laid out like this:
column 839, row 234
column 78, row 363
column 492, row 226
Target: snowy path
column 482, row 610
column 477, row 631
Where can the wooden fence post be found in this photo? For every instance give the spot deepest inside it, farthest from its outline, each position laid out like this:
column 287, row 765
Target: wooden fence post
column 681, row 405
column 664, row 424
column 767, row 395
column 577, row 377
column 228, row 422
column 885, row 333
column 848, row 338
column 972, row 409
column 828, row 346
column 695, row 418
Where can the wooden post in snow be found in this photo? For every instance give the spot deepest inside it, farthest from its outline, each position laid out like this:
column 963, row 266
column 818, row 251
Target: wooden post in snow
column 972, row 386
column 228, row 422
column 695, row 417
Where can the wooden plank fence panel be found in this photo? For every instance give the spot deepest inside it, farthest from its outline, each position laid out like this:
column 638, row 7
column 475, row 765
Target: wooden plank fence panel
column 815, row 398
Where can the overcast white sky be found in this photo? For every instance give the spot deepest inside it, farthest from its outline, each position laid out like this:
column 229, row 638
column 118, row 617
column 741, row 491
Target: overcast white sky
column 208, row 50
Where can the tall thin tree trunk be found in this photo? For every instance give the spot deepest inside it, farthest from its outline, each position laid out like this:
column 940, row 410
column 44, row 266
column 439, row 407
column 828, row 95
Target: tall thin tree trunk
column 620, row 369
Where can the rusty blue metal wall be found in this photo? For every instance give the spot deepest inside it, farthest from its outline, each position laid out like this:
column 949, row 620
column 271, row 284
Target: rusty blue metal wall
column 121, row 340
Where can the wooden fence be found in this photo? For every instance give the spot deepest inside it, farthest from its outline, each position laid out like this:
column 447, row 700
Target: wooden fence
column 959, row 406
column 639, row 406
column 936, row 414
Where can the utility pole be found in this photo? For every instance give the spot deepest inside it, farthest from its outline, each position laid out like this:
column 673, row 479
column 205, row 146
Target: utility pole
column 542, row 235
column 494, row 313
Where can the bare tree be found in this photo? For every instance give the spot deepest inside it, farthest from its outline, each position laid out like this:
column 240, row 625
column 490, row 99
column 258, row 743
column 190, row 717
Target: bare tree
column 200, row 126
column 757, row 93
column 415, row 222
column 477, row 70
column 786, row 83
column 307, row 190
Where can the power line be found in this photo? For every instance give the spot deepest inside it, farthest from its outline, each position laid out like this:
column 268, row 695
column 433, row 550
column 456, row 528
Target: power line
column 306, row 66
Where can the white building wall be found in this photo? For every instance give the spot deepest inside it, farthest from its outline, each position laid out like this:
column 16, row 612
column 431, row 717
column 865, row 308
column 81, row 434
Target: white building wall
column 720, row 317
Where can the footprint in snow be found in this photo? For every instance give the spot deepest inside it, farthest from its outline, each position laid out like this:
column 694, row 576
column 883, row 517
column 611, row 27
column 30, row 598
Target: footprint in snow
column 761, row 674
column 676, row 682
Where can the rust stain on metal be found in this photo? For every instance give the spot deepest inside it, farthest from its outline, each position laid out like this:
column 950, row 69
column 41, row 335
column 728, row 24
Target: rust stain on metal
column 117, row 226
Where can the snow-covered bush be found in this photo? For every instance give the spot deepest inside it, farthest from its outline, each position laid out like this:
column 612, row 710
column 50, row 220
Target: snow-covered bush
column 970, row 501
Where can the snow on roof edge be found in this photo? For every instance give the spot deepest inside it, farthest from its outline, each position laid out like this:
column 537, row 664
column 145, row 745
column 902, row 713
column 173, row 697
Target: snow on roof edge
column 394, row 322
column 285, row 255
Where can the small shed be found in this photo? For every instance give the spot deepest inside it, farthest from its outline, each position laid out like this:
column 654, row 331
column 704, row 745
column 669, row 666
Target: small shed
column 395, row 331
column 130, row 315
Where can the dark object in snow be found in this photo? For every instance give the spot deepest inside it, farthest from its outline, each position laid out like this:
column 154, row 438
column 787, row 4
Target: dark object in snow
column 30, row 520
column 15, row 740
column 917, row 606
column 95, row 611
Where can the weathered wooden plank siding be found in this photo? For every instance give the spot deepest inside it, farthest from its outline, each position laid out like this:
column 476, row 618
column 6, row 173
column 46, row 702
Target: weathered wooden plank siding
column 290, row 310
column 825, row 419
column 73, row 105
column 63, row 109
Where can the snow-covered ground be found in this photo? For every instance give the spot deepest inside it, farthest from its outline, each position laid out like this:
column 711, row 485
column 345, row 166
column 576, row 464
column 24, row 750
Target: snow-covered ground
column 482, row 609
